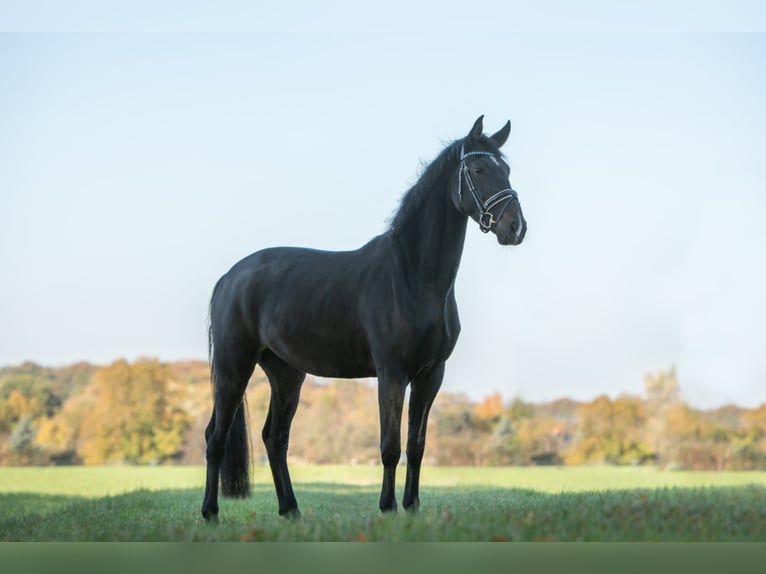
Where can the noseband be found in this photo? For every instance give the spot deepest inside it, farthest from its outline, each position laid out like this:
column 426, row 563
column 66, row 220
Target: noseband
column 486, row 218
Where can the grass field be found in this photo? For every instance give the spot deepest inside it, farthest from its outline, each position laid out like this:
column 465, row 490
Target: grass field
column 339, row 503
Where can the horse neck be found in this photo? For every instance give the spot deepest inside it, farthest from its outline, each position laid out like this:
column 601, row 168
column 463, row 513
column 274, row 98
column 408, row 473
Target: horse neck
column 431, row 240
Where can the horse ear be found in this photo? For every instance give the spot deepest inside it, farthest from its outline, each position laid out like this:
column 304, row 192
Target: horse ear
column 476, row 130
column 501, row 136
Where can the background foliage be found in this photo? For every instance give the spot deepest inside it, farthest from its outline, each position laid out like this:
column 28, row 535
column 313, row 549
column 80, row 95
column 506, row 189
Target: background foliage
column 148, row 412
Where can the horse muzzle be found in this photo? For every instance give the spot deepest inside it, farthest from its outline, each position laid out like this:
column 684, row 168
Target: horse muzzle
column 511, row 228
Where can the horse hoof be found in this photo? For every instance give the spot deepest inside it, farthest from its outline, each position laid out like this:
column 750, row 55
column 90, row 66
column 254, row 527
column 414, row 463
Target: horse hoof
column 210, row 516
column 291, row 514
column 413, row 508
column 390, row 509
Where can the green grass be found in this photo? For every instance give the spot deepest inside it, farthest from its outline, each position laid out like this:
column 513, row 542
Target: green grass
column 339, row 503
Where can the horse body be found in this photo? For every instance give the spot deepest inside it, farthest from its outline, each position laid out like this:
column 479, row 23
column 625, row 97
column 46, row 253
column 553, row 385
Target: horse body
column 387, row 309
column 327, row 309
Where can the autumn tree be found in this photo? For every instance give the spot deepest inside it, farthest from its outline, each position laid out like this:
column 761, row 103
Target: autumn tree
column 21, row 443
column 27, row 394
column 505, row 445
column 526, row 434
column 455, row 437
column 751, row 454
column 488, row 412
column 663, row 394
column 689, row 433
column 337, row 422
column 133, row 415
column 611, row 431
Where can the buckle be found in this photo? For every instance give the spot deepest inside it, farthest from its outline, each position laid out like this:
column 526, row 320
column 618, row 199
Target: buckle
column 486, row 221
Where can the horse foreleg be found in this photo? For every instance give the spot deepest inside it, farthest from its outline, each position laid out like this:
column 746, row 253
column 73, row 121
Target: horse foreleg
column 391, row 385
column 422, row 393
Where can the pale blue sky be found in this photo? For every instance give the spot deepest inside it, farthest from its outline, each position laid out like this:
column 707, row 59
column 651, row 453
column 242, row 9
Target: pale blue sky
column 136, row 168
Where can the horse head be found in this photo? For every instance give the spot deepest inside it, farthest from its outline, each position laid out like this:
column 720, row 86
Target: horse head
column 481, row 187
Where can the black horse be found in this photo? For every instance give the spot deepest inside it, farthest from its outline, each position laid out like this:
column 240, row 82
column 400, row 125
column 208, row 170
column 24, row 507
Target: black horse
column 387, row 309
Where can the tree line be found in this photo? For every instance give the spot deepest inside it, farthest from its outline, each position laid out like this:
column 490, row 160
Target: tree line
column 149, row 412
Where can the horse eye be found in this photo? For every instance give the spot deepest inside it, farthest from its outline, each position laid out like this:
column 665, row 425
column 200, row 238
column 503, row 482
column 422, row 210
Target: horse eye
column 478, row 169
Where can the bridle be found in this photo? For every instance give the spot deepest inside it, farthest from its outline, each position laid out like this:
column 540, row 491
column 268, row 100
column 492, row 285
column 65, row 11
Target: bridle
column 486, row 218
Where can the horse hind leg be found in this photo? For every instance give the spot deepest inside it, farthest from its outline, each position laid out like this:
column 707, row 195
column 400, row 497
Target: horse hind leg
column 210, row 502
column 227, row 449
column 285, row 382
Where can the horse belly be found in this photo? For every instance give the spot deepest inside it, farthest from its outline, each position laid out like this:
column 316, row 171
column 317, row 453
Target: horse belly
column 318, row 352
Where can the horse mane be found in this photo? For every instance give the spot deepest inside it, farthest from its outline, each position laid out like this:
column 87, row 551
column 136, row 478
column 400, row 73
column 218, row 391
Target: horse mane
column 433, row 176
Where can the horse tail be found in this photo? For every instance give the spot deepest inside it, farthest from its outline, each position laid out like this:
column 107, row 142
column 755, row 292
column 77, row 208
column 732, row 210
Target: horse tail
column 235, row 465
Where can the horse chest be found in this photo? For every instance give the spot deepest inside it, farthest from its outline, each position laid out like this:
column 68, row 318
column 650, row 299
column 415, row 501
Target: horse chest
column 435, row 340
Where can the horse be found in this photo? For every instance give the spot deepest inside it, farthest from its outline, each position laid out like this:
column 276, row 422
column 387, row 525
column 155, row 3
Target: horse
column 385, row 310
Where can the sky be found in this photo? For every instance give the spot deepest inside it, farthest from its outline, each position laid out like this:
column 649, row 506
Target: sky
column 136, row 168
